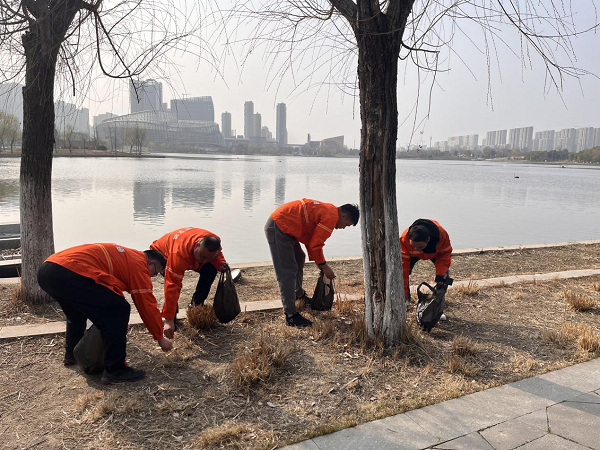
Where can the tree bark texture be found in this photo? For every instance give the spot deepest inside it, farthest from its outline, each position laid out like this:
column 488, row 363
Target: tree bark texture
column 379, row 39
column 41, row 44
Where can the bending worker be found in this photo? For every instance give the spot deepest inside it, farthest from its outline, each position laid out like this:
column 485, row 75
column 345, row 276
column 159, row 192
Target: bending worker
column 425, row 239
column 310, row 222
column 188, row 249
column 88, row 283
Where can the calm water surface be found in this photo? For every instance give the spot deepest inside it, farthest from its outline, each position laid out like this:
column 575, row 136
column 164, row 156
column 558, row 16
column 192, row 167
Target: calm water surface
column 134, row 201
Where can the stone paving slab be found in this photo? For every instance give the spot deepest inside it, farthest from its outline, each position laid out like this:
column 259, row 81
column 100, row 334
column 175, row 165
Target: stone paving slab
column 552, row 442
column 578, row 422
column 511, row 434
column 471, row 441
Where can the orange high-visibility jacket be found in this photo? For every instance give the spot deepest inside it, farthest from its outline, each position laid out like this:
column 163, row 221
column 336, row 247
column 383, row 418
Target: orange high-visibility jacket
column 438, row 247
column 178, row 249
column 310, row 222
column 119, row 269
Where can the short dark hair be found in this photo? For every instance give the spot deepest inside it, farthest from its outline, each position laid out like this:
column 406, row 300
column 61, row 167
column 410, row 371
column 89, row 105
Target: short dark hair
column 418, row 233
column 154, row 255
column 211, row 243
column 352, row 212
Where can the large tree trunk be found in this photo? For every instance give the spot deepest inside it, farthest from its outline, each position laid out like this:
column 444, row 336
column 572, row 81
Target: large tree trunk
column 37, row 238
column 385, row 308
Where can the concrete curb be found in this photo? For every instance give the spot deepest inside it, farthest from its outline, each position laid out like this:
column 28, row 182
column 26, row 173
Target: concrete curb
column 16, row 331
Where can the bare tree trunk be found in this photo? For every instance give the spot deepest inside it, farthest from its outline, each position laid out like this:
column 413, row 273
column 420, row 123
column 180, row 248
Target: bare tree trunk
column 385, row 308
column 37, row 238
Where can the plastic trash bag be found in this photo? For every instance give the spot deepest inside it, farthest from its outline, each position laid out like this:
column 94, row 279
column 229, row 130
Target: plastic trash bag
column 89, row 351
column 430, row 306
column 226, row 303
column 324, row 294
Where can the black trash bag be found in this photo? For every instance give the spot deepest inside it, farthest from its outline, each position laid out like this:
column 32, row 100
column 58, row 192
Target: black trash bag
column 430, row 306
column 324, row 294
column 226, row 304
column 89, row 351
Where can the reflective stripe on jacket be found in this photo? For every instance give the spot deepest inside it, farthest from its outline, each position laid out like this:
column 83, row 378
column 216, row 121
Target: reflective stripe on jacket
column 310, row 222
column 439, row 247
column 119, row 269
column 178, row 249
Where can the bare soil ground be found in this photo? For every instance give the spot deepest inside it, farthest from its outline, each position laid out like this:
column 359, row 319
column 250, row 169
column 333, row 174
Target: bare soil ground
column 258, row 384
column 259, row 283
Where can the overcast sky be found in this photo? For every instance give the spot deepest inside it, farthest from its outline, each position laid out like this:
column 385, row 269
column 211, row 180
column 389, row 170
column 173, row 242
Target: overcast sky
column 459, row 101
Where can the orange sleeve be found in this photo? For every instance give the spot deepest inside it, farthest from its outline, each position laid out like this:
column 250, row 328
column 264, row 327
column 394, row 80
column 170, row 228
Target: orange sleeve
column 174, row 272
column 405, row 261
column 317, row 241
column 141, row 293
column 443, row 257
column 219, row 260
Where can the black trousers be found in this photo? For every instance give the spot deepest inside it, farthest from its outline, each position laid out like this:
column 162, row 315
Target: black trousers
column 81, row 298
column 207, row 272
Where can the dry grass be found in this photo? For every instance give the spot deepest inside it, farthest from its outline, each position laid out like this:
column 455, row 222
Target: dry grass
column 259, row 360
column 596, row 287
column 95, row 405
column 589, row 341
column 201, row 317
column 464, row 346
column 458, row 365
column 16, row 302
column 470, row 289
column 578, row 301
column 227, row 435
column 574, row 334
column 523, row 364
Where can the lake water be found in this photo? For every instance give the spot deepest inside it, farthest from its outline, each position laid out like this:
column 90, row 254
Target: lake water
column 134, row 201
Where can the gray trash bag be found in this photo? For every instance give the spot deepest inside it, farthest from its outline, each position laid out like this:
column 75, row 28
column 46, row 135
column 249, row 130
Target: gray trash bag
column 324, row 294
column 89, row 351
column 226, row 304
column 430, row 306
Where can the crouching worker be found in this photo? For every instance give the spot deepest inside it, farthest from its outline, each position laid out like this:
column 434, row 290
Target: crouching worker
column 426, row 239
column 188, row 249
column 310, row 222
column 88, row 283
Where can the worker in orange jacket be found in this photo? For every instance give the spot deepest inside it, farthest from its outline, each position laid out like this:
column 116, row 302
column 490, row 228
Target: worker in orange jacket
column 426, row 239
column 310, row 222
column 88, row 283
column 188, row 249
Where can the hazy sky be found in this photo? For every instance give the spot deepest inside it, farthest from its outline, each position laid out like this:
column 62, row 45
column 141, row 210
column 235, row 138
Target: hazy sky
column 459, row 101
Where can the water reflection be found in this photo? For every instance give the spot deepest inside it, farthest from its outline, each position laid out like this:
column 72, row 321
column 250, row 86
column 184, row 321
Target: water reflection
column 149, row 202
column 200, row 198
column 251, row 193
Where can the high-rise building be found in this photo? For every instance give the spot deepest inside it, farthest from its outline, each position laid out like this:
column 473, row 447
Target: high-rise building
column 281, row 124
column 521, row 138
column 257, row 125
column 248, row 119
column 226, row 124
column 266, row 133
column 597, row 138
column 194, row 108
column 65, row 116
column 585, row 138
column 543, row 141
column 11, row 100
column 496, row 139
column 145, row 95
column 565, row 139
column 82, row 123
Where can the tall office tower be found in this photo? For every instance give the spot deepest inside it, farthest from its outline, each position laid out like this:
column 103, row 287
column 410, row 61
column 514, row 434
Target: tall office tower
column 145, row 95
column 65, row 116
column 565, row 139
column 597, row 138
column 194, row 108
column 257, row 125
column 521, row 138
column 226, row 124
column 585, row 138
column 496, row 139
column 11, row 100
column 281, row 124
column 82, row 123
column 472, row 141
column 248, row 119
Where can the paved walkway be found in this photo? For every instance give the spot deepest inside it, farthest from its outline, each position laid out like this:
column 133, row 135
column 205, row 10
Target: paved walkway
column 15, row 331
column 556, row 411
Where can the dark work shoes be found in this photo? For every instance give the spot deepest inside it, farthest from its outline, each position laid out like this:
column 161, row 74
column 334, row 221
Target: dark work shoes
column 69, row 359
column 297, row 320
column 305, row 298
column 124, row 375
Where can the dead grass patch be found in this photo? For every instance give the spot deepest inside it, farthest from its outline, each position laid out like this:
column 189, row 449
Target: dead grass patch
column 458, row 365
column 464, row 346
column 96, row 405
column 579, row 301
column 582, row 335
column 16, row 302
column 228, row 435
column 259, row 360
column 470, row 289
column 523, row 364
column 596, row 287
column 202, row 317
